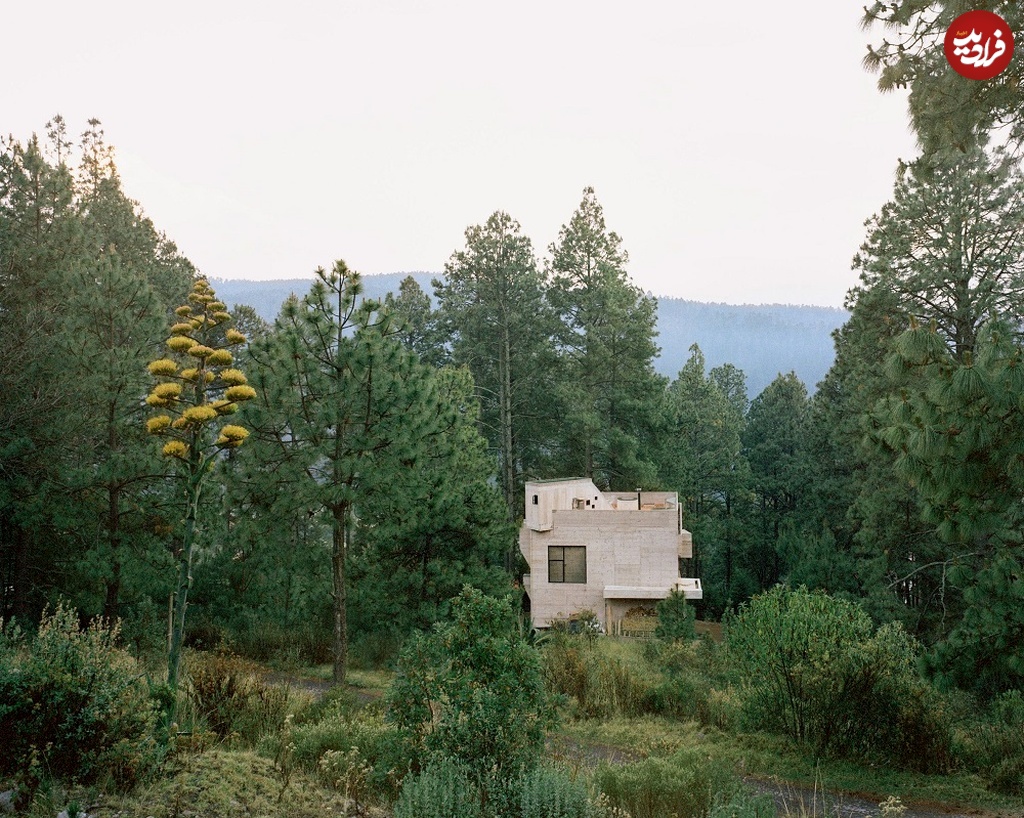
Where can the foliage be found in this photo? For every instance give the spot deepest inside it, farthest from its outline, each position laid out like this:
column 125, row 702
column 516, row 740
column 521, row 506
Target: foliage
column 74, row 707
column 816, row 671
column 491, row 307
column 607, row 389
column 744, row 804
column 444, row 789
column 950, row 113
column 219, row 782
column 675, row 618
column 956, row 430
column 361, row 749
column 684, row 786
column 549, row 792
column 994, row 744
column 950, row 244
column 699, row 684
column 472, row 690
column 228, row 695
column 598, row 684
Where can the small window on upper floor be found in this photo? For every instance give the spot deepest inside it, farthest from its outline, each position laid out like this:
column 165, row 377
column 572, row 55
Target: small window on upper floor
column 535, row 499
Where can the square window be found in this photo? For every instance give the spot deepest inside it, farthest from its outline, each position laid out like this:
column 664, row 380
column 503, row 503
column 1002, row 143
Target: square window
column 567, row 563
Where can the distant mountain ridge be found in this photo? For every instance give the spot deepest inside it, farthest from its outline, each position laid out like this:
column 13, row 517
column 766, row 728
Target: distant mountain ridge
column 762, row 340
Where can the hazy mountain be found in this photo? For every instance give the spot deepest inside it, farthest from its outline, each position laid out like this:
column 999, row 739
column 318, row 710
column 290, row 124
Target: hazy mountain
column 762, row 340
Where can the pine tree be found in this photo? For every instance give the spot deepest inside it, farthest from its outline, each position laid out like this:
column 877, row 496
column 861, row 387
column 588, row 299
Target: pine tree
column 950, row 113
column 492, row 307
column 343, row 412
column 950, row 244
column 609, row 390
column 960, row 440
column 701, row 454
column 774, row 442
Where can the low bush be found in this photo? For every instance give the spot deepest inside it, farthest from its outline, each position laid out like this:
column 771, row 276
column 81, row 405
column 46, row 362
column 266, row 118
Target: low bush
column 229, row 697
column 292, row 646
column 443, row 790
column 695, row 685
column 548, row 792
column 676, row 618
column 598, row 685
column 683, row 786
column 379, row 749
column 73, row 706
column 817, row 671
column 743, row 804
column 994, row 744
column 472, row 690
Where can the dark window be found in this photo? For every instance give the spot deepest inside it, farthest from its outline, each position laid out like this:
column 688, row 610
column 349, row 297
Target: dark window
column 535, row 499
column 567, row 563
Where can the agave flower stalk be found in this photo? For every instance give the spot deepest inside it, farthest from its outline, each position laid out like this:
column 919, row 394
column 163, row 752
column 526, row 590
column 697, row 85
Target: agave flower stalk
column 197, row 387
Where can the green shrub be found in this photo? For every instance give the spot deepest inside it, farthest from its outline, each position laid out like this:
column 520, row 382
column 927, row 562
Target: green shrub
column 695, row 685
column 229, row 695
column 683, row 786
column 675, row 618
column 443, row 790
column 547, row 792
column 743, row 804
column 815, row 671
column 598, row 686
column 994, row 745
column 73, row 706
column 379, row 747
column 472, row 691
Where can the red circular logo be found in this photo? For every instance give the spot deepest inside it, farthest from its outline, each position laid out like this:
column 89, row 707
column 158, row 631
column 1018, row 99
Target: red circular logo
column 979, row 45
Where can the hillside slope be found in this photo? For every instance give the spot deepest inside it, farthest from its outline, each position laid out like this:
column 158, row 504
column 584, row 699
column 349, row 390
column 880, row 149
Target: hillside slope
column 762, row 340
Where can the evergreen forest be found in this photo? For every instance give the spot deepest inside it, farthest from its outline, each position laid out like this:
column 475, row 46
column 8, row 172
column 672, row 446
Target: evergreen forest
column 190, row 491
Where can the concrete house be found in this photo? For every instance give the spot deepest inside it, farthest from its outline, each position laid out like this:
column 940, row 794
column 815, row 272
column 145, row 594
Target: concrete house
column 605, row 551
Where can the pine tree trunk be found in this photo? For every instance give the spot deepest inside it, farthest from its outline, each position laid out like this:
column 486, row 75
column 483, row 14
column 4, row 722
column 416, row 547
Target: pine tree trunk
column 338, row 554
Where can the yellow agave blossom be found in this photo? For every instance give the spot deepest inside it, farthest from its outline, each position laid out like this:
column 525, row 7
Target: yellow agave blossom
column 220, row 357
column 157, row 424
column 216, row 306
column 157, row 401
column 220, row 316
column 199, row 414
column 179, row 423
column 233, row 377
column 242, row 392
column 233, row 336
column 192, row 374
column 167, row 391
column 232, row 436
column 200, row 351
column 175, row 448
column 183, row 311
column 164, row 366
column 224, row 407
column 182, row 328
column 180, row 343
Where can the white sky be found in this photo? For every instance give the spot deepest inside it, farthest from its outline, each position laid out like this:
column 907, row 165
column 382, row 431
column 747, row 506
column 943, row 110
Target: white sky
column 737, row 147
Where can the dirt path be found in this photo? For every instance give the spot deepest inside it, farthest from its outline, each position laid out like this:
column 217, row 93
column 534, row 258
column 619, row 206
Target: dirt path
column 806, row 802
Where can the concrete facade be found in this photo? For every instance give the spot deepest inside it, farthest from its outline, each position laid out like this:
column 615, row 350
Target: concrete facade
column 605, row 552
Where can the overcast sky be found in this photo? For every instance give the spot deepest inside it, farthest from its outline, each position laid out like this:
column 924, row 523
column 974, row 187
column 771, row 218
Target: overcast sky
column 737, row 147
